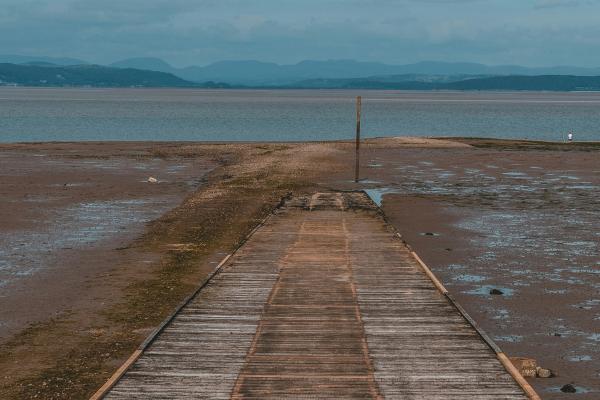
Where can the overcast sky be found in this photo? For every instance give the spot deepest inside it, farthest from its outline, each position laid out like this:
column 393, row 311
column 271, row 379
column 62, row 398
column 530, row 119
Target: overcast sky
column 184, row 32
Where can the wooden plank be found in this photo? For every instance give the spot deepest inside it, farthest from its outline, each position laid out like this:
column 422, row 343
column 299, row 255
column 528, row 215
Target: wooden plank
column 323, row 301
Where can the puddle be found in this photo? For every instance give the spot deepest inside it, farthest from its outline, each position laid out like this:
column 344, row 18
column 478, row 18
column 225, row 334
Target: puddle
column 445, row 175
column 171, row 169
column 522, row 272
column 469, row 278
column 377, row 194
column 588, row 304
column 581, row 187
column 404, row 167
column 501, row 314
column 23, row 253
column 455, row 267
column 509, row 338
column 69, row 185
column 518, row 175
column 579, row 358
column 555, row 291
column 595, row 337
column 584, row 271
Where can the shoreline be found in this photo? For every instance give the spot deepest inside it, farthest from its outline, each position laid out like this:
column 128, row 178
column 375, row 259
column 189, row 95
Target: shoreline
column 443, row 141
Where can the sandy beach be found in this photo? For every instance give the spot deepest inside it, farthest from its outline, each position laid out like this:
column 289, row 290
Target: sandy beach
column 93, row 256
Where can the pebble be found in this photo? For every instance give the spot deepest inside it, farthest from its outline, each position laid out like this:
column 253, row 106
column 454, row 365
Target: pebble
column 496, row 292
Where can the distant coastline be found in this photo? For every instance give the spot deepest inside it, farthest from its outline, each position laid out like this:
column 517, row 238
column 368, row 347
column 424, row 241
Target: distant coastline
column 40, row 75
column 142, row 73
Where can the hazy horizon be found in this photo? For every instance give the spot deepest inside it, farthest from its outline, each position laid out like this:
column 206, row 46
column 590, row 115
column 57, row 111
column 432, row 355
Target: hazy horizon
column 175, row 65
column 531, row 33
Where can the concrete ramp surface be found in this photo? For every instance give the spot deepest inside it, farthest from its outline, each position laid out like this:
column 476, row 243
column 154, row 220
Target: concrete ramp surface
column 323, row 301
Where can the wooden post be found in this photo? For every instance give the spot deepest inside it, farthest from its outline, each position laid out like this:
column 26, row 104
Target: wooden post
column 357, row 166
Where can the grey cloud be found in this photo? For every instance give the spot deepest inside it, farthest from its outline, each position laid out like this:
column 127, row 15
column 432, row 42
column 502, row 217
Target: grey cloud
column 542, row 4
column 393, row 31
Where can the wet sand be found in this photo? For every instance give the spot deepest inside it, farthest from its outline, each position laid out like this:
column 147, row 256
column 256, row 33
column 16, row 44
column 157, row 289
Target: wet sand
column 67, row 217
column 525, row 222
column 93, row 256
column 103, row 256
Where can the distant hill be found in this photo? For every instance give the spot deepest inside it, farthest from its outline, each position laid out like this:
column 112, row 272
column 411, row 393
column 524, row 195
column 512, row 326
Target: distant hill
column 332, row 74
column 257, row 73
column 462, row 68
column 383, row 82
column 17, row 59
column 559, row 83
column 148, row 63
column 87, row 75
column 409, row 82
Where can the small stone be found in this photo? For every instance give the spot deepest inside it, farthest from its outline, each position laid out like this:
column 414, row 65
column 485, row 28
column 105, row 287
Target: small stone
column 429, row 234
column 152, row 180
column 568, row 388
column 496, row 292
column 557, row 334
column 544, row 372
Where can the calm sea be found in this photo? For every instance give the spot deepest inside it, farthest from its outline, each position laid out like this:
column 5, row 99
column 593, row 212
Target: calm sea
column 32, row 114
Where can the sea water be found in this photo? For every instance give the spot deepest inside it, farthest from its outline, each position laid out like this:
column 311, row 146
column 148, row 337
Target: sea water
column 64, row 114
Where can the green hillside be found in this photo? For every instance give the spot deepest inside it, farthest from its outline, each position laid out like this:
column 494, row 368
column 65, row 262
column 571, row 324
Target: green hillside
column 86, row 75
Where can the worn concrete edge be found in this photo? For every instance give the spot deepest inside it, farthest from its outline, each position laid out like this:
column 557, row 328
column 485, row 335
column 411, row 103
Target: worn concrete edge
column 504, row 360
column 118, row 374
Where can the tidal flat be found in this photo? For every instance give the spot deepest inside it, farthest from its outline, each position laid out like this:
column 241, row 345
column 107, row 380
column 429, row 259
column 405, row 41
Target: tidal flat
column 93, row 256
column 512, row 229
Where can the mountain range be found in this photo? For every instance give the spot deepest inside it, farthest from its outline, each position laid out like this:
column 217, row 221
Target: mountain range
column 333, row 74
column 257, row 73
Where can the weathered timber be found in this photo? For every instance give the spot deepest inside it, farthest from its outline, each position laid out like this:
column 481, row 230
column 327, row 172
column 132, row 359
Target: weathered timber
column 323, row 301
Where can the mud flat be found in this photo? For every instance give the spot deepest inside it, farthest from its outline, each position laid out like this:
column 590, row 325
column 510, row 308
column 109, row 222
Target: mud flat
column 519, row 217
column 68, row 214
column 93, row 257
